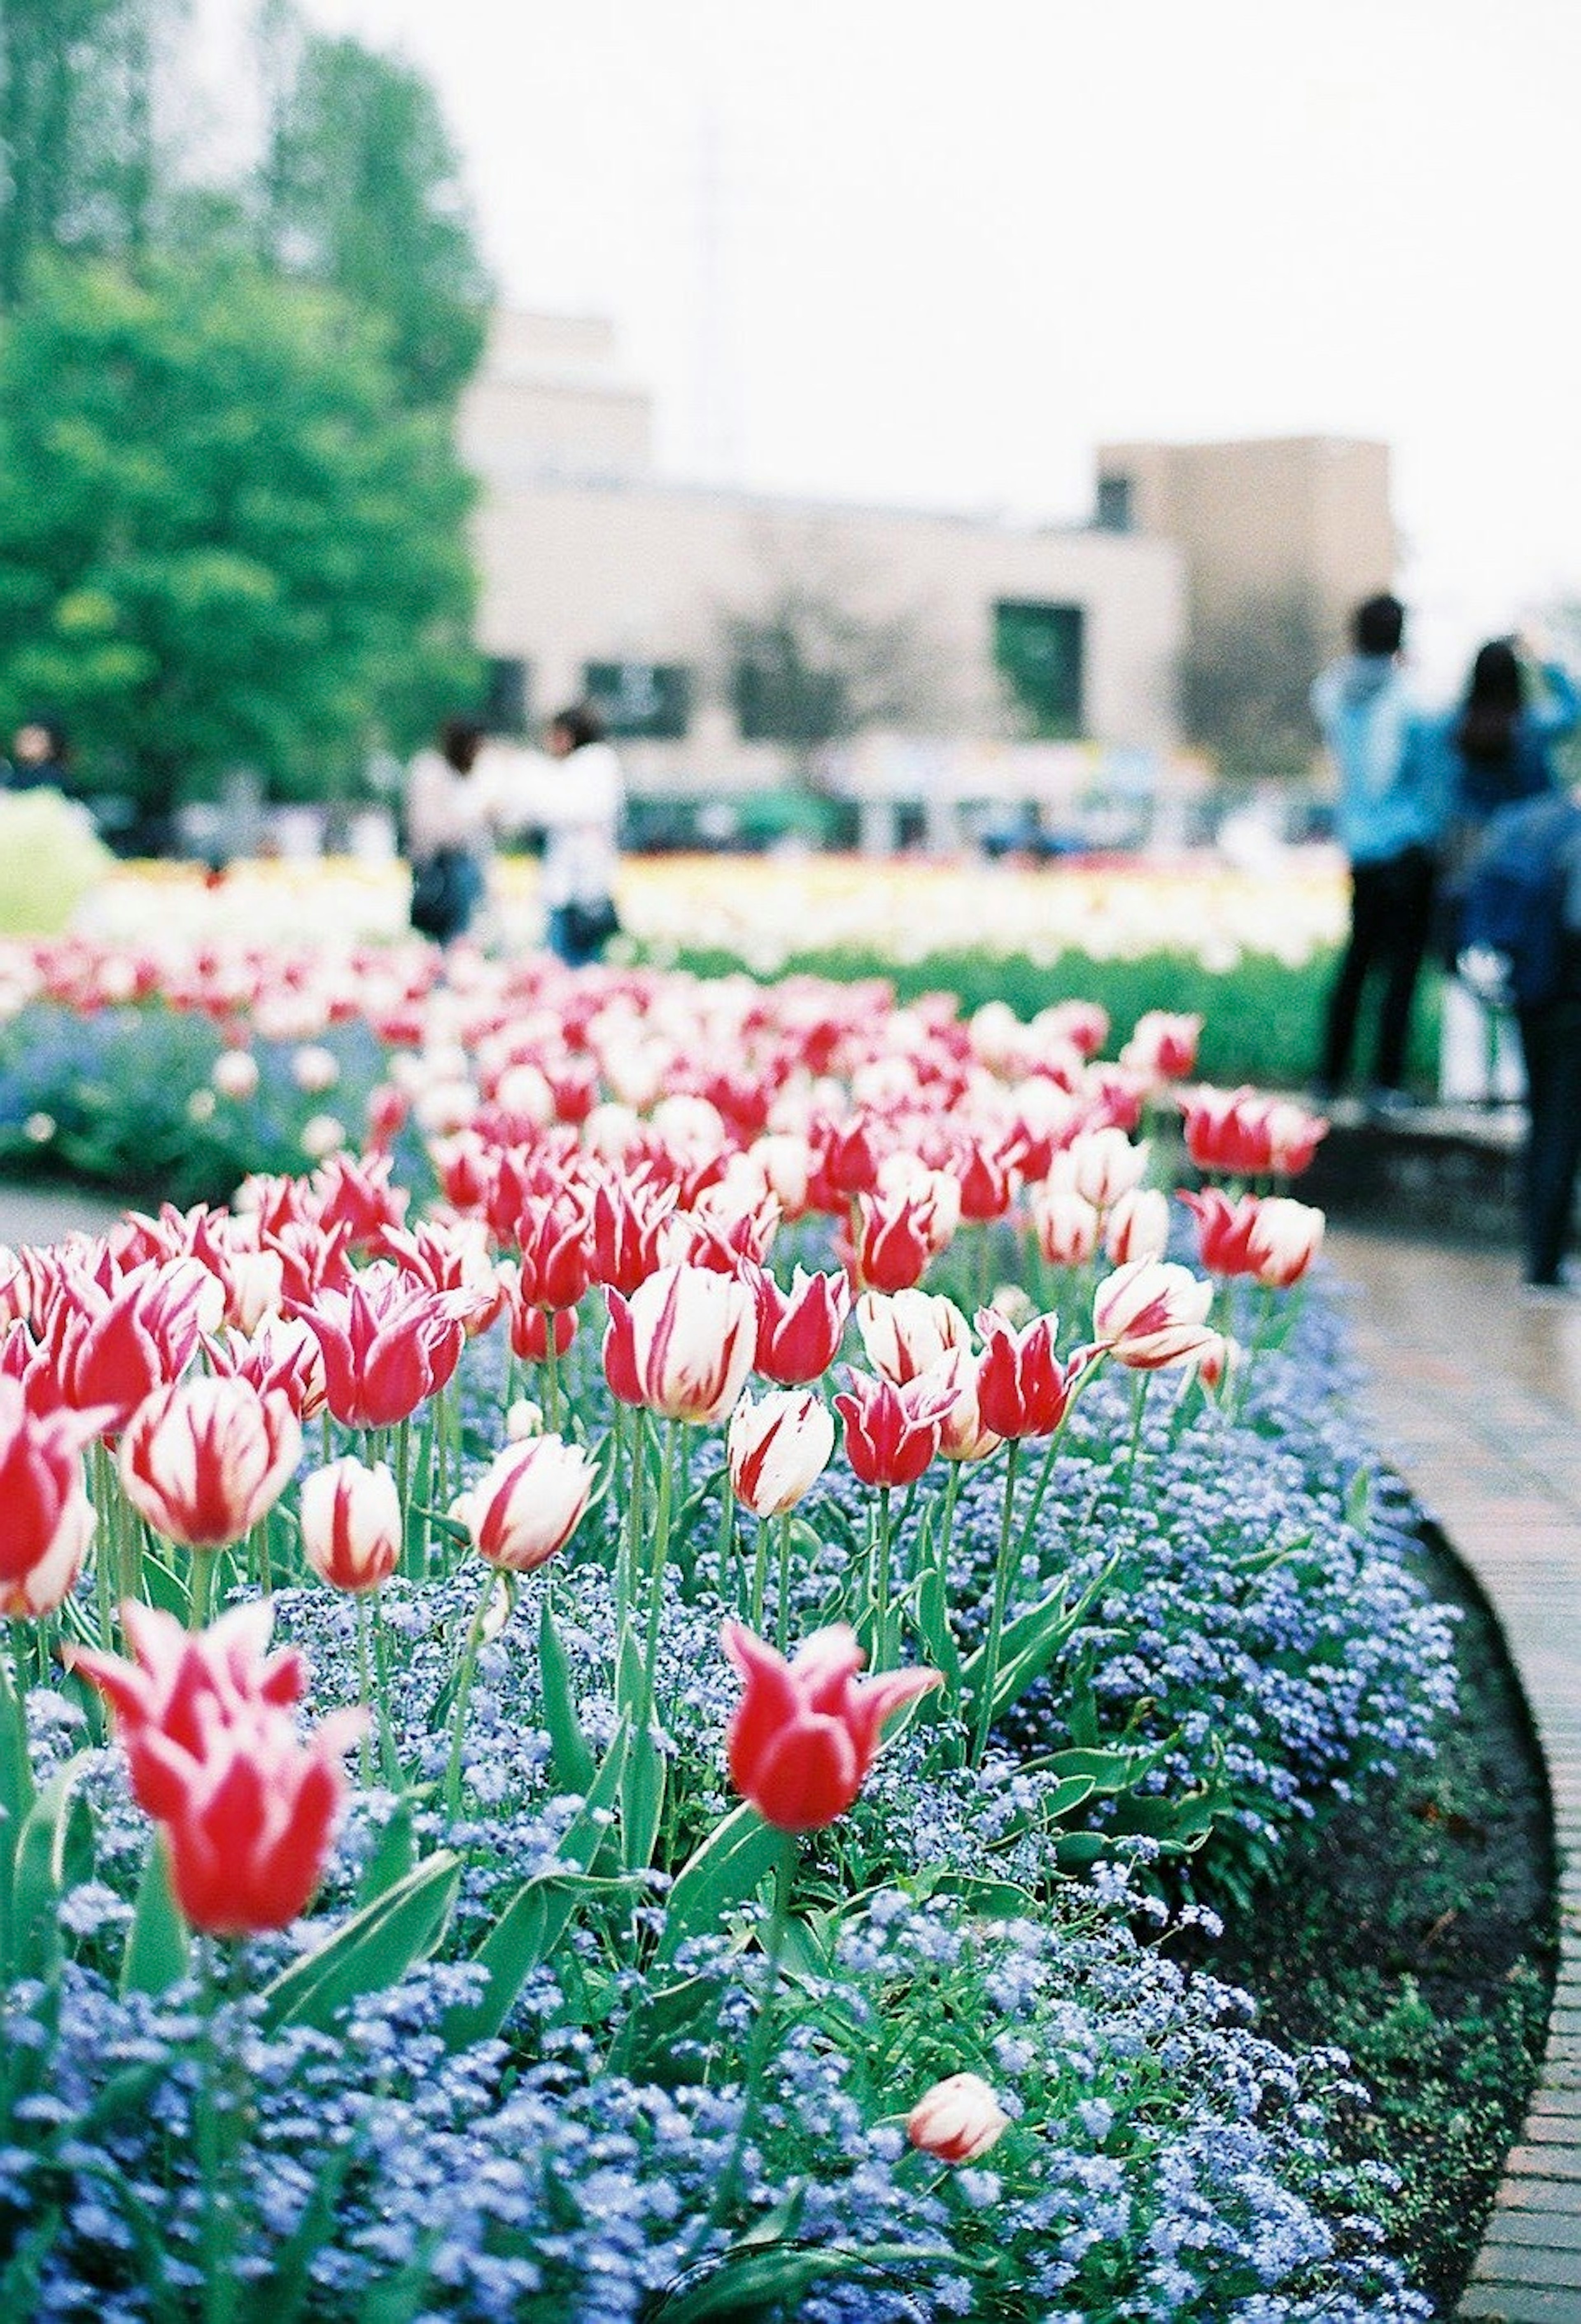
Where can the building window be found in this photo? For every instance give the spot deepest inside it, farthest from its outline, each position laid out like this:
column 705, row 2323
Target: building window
column 646, row 700
column 505, row 696
column 779, row 698
column 1116, row 505
column 1038, row 653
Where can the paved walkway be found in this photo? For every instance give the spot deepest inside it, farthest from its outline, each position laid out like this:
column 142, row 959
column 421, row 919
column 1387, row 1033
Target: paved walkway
column 1477, row 1396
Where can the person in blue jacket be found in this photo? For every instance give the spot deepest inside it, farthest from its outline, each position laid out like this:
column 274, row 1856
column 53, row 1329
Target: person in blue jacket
column 1391, row 814
column 1491, row 750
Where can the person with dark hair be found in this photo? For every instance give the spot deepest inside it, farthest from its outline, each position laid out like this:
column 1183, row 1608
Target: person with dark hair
column 1521, row 926
column 1491, row 750
column 449, row 813
column 582, row 821
column 39, row 758
column 1389, row 819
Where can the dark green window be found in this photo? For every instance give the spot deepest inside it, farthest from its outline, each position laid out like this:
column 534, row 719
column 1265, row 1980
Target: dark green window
column 505, row 696
column 1038, row 652
column 650, row 700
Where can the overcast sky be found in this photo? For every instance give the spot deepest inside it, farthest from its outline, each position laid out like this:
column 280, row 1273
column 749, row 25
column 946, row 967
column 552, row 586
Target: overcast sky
column 936, row 253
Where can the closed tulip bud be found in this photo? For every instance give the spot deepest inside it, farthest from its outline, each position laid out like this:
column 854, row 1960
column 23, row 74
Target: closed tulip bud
column 1066, row 1226
column 1242, row 1135
column 204, row 1460
column 1103, row 1165
column 799, row 1330
column 785, row 1161
column 778, row 1446
column 352, row 1526
column 528, row 1503
column 906, row 1332
column 1137, row 1227
column 1023, row 1389
column 958, row 2120
column 1150, row 1313
column 807, row 1731
column 892, row 1434
column 1286, row 1237
column 684, row 1343
column 892, row 1242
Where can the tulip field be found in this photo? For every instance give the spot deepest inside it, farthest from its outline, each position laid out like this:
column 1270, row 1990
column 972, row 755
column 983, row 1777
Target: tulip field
column 634, row 1683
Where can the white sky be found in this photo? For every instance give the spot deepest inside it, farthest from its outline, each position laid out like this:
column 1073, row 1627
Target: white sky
column 953, row 247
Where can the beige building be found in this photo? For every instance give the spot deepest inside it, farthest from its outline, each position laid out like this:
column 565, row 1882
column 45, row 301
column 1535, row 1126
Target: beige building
column 1261, row 520
column 600, row 578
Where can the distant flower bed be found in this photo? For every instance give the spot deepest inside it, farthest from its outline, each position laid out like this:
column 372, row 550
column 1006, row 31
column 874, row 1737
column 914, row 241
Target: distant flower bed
column 768, row 911
column 628, row 1743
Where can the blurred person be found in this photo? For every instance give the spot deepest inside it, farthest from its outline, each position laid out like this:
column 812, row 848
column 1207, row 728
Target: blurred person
column 1390, row 822
column 449, row 813
column 1493, row 749
column 581, row 819
column 1521, row 916
column 40, row 758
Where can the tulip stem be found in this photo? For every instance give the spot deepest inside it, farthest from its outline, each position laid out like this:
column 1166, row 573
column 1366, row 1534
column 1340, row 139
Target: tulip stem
column 391, row 1757
column 469, row 1663
column 727, row 1530
column 1139, row 1405
column 782, row 1605
column 201, row 1598
column 215, row 2138
column 984, row 1706
column 363, row 1685
column 104, row 1491
column 626, row 1590
column 20, row 1790
column 403, row 1463
column 759, row 1574
column 881, row 1580
column 656, row 1587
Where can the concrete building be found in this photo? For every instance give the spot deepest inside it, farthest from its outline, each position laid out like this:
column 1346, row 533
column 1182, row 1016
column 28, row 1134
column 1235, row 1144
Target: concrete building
column 600, row 578
column 1261, row 520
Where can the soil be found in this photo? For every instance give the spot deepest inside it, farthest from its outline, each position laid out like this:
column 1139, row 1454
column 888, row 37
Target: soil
column 1416, row 1928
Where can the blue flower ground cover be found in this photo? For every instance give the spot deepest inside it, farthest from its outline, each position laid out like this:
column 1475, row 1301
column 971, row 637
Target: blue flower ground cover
column 1262, row 1638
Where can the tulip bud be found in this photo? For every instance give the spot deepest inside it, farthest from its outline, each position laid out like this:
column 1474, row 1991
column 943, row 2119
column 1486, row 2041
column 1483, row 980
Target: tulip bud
column 906, row 1332
column 204, row 1460
column 778, row 1447
column 1066, row 1226
column 234, row 1072
column 1137, row 1226
column 352, row 1526
column 958, row 2120
column 1150, row 1313
column 528, row 1503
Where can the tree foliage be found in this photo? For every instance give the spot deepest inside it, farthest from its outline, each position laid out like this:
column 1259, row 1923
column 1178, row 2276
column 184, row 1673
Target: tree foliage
column 1245, row 681
column 813, row 663
column 361, row 191
column 224, row 541
column 81, row 165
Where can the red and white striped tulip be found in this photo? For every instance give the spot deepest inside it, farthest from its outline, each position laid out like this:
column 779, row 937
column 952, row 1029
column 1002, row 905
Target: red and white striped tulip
column 779, row 1445
column 528, row 1503
column 684, row 1343
column 1150, row 1313
column 352, row 1527
column 204, row 1459
column 906, row 1332
column 958, row 2120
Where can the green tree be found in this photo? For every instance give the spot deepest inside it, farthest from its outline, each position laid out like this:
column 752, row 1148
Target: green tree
column 224, row 542
column 359, row 189
column 1245, row 681
column 81, row 167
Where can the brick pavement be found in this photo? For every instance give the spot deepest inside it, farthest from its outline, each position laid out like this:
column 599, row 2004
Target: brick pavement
column 1475, row 1395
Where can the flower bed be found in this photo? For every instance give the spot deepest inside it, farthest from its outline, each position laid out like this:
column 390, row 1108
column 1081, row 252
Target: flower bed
column 791, row 1707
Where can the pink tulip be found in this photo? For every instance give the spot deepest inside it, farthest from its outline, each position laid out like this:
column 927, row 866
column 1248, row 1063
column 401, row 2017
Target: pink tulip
column 1286, row 1237
column 963, row 1434
column 352, row 1527
column 387, row 1343
column 1163, row 1047
column 892, row 1434
column 807, row 1730
column 1023, row 1389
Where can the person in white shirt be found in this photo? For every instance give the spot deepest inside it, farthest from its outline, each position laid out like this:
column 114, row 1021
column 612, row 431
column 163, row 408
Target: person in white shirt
column 450, row 818
column 580, row 816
